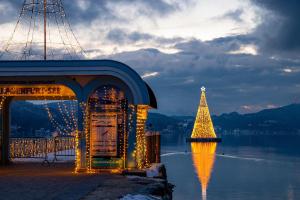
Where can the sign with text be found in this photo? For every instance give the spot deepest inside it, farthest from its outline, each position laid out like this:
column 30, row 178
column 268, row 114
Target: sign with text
column 35, row 90
column 103, row 134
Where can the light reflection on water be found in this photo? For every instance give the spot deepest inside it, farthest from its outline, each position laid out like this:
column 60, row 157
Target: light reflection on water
column 232, row 171
column 203, row 155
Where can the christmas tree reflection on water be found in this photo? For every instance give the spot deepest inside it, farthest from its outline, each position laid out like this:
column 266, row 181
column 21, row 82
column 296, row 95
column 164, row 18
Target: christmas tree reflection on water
column 203, row 155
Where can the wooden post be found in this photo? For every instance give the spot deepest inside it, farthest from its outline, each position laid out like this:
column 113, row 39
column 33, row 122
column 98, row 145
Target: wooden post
column 157, row 147
column 153, row 146
column 5, row 121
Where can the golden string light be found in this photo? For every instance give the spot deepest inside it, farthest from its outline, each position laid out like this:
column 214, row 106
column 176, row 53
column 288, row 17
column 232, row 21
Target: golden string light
column 84, row 134
column 131, row 113
column 125, row 132
column 3, row 98
column 37, row 147
column 68, row 125
column 77, row 152
column 111, row 100
column 141, row 146
column 58, row 126
column 86, row 122
column 65, row 120
column 79, row 136
column 68, row 114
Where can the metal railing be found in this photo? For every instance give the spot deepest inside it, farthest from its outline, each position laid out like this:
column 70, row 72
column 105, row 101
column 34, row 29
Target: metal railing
column 48, row 149
column 64, row 146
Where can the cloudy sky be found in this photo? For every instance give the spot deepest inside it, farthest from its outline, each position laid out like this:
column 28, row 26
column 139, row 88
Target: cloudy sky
column 245, row 52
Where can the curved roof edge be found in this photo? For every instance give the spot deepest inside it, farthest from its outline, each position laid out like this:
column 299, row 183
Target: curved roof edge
column 143, row 93
column 153, row 101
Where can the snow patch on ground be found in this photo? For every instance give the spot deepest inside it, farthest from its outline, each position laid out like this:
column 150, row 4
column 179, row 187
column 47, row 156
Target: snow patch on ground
column 154, row 170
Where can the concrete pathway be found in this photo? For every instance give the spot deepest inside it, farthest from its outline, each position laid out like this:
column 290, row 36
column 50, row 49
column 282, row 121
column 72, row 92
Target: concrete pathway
column 34, row 181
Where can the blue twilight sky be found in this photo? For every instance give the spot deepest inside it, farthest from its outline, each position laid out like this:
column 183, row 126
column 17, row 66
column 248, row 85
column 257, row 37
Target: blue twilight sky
column 246, row 52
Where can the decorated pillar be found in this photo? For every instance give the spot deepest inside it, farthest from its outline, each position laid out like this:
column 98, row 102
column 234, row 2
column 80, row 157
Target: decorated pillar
column 81, row 138
column 141, row 145
column 131, row 141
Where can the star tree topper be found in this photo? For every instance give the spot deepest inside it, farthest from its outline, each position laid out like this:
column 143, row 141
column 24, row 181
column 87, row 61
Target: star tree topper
column 203, row 89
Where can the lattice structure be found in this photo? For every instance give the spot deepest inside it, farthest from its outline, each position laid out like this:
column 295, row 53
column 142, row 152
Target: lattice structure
column 203, row 126
column 203, row 155
column 42, row 32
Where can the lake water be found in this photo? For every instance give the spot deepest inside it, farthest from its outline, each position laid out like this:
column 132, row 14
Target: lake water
column 247, row 168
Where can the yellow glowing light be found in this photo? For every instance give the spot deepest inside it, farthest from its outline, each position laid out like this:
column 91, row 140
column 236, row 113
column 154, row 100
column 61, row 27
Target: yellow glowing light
column 77, row 152
column 80, row 135
column 32, row 147
column 203, row 155
column 86, row 132
column 115, row 171
column 203, row 126
column 47, row 90
column 2, row 102
column 141, row 111
column 141, row 146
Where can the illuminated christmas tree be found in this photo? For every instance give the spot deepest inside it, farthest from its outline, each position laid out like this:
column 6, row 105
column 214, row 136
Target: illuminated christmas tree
column 203, row 126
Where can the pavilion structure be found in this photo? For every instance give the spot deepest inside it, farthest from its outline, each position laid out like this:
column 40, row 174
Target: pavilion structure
column 112, row 99
column 203, row 130
column 113, row 102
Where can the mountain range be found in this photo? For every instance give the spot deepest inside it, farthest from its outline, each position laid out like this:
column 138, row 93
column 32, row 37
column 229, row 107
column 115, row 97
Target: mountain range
column 29, row 117
column 285, row 119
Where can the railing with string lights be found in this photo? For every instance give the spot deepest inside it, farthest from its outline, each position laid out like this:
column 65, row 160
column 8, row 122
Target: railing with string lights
column 48, row 149
column 64, row 147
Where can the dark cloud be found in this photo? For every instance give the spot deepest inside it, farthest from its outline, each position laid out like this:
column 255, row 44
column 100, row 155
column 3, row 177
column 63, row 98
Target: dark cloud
column 232, row 81
column 94, row 9
column 85, row 11
column 122, row 36
column 232, row 43
column 280, row 29
column 234, row 15
column 9, row 10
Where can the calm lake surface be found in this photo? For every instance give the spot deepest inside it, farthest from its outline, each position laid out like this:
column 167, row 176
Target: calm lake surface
column 248, row 168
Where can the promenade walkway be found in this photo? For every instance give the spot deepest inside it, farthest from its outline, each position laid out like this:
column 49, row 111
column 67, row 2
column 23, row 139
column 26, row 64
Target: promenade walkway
column 33, row 181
